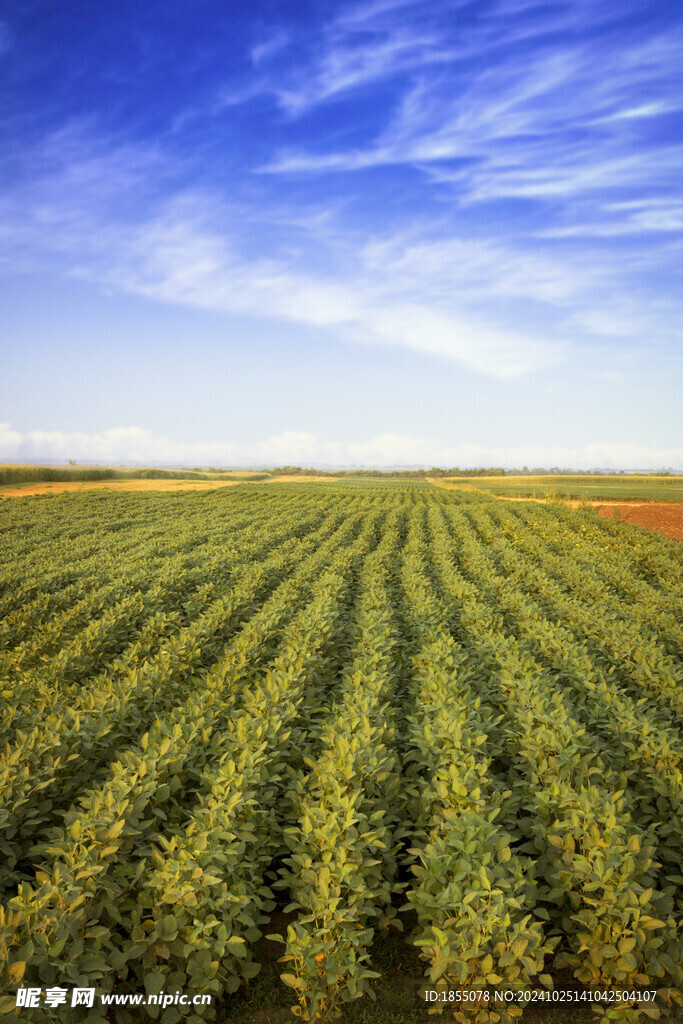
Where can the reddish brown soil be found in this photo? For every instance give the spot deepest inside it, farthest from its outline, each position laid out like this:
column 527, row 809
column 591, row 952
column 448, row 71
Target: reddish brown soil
column 663, row 516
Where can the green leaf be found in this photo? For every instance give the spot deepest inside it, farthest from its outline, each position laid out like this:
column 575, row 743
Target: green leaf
column 154, row 982
column 292, row 980
column 237, row 946
column 16, row 971
column 519, row 947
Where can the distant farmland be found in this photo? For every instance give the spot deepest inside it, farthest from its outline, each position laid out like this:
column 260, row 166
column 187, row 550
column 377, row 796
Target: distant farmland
column 599, row 488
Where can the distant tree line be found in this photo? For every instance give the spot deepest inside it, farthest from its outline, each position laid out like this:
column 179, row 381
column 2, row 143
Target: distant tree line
column 51, row 474
column 438, row 471
column 406, row 473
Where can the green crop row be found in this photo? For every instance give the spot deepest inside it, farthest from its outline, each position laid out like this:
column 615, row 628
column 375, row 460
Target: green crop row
column 478, row 925
column 340, row 865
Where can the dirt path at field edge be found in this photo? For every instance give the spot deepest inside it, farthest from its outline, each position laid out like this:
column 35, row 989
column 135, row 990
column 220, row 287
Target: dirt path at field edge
column 22, row 491
column 55, row 487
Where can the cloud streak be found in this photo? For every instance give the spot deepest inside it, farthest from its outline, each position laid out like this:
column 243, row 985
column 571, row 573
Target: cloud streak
column 176, row 260
column 192, row 248
column 500, row 308
column 133, row 444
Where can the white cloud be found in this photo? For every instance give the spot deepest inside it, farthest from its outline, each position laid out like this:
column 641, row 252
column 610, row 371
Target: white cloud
column 644, row 110
column 78, row 195
column 133, row 444
column 422, row 292
column 269, row 46
column 472, row 301
column 422, row 295
column 115, row 445
column 349, row 64
column 363, row 44
column 428, row 296
column 633, row 217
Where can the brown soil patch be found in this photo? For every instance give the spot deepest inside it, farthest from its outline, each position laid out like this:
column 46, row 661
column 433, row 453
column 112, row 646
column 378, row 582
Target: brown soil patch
column 663, row 517
column 114, row 485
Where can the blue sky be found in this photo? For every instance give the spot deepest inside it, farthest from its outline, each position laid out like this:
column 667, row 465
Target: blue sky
column 386, row 232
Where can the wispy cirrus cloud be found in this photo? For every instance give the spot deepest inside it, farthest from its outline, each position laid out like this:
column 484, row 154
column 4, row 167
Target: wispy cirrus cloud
column 454, row 298
column 518, row 115
column 269, row 46
column 631, row 217
column 79, row 183
column 356, row 48
column 349, row 64
column 543, row 127
column 193, row 248
column 495, row 124
column 178, row 258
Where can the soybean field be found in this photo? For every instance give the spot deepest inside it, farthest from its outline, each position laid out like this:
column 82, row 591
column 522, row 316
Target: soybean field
column 304, row 718
column 591, row 487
